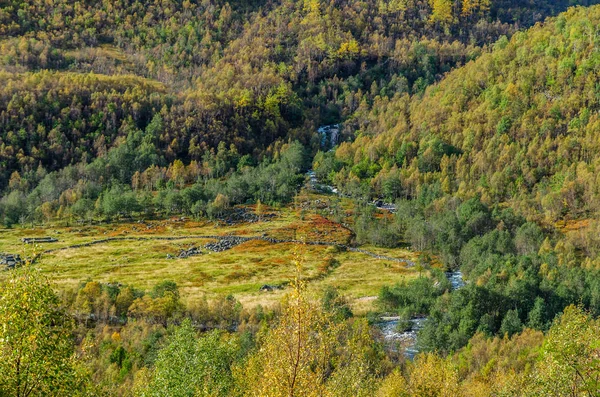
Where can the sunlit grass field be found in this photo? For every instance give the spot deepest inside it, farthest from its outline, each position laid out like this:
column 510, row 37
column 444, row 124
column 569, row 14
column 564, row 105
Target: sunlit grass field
column 239, row 271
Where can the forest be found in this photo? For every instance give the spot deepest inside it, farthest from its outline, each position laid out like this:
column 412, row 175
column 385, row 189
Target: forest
column 313, row 347
column 475, row 120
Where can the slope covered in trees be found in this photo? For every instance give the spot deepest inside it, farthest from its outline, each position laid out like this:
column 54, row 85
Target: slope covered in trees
column 517, row 125
column 482, row 166
column 246, row 74
column 136, row 343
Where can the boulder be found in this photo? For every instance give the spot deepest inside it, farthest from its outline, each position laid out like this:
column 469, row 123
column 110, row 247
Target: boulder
column 270, row 288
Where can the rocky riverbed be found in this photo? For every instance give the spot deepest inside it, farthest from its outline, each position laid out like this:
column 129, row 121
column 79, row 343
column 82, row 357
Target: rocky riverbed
column 456, row 279
column 315, row 185
column 407, row 340
column 329, row 135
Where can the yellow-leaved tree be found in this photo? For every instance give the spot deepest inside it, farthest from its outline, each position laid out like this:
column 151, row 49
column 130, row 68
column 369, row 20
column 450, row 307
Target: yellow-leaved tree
column 441, row 11
column 311, row 351
column 294, row 357
column 36, row 347
column 428, row 376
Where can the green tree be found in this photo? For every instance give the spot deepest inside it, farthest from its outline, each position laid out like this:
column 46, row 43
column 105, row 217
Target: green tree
column 537, row 315
column 161, row 288
column 569, row 363
column 511, row 324
column 192, row 366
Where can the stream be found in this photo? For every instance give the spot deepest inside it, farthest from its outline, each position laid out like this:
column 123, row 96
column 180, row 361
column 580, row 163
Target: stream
column 407, row 340
column 393, row 340
column 329, row 135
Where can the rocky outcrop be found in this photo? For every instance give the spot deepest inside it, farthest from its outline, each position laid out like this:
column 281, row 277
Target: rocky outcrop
column 242, row 215
column 186, row 253
column 270, row 288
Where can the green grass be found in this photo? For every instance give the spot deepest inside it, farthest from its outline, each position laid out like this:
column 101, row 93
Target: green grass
column 239, row 271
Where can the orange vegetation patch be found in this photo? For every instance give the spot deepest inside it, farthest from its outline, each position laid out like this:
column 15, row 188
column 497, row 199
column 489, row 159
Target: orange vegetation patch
column 255, row 246
column 435, row 262
column 314, row 228
column 243, row 232
column 398, row 267
column 279, row 261
column 193, row 224
column 382, row 214
column 572, row 225
column 120, row 231
column 240, row 275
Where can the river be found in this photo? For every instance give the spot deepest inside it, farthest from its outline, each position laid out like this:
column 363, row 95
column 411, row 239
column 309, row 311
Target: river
column 407, row 340
column 393, row 339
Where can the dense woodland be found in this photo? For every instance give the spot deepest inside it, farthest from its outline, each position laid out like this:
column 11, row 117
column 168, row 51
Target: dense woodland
column 131, row 342
column 484, row 167
column 183, row 77
column 477, row 118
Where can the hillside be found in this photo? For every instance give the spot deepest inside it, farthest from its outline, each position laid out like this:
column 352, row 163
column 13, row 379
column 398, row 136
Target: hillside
column 289, row 68
column 517, row 125
column 495, row 170
column 391, row 198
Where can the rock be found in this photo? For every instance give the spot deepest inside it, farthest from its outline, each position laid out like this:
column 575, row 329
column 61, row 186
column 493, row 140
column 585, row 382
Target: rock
column 36, row 240
column 10, row 261
column 270, row 288
column 193, row 251
column 186, row 253
column 242, row 215
column 225, row 243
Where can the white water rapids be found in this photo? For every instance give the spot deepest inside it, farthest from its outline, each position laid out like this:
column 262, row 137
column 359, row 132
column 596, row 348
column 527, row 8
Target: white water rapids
column 407, row 340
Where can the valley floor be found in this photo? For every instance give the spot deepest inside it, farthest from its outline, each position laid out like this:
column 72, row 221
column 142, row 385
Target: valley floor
column 227, row 258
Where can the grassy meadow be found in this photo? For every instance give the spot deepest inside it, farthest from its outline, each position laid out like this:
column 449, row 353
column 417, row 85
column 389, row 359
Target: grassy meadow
column 239, row 271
